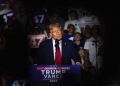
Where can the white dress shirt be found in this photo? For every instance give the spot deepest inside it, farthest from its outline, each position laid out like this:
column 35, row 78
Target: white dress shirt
column 54, row 48
column 60, row 46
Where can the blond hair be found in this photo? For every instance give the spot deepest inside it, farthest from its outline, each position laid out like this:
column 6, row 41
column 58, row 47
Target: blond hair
column 51, row 26
column 85, row 57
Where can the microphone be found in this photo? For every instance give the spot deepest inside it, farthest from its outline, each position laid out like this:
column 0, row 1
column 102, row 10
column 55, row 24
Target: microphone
column 56, row 42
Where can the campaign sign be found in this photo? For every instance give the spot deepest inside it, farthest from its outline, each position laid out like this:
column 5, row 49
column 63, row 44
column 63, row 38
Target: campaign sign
column 53, row 73
column 17, row 82
column 39, row 17
column 35, row 40
column 7, row 15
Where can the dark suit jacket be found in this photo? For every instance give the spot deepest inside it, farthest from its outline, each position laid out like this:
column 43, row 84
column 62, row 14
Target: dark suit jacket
column 45, row 55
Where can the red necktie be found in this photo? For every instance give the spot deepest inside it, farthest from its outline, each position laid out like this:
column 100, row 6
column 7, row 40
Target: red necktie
column 58, row 56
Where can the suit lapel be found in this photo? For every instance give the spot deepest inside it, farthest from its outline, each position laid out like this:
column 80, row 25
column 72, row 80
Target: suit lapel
column 50, row 47
column 63, row 49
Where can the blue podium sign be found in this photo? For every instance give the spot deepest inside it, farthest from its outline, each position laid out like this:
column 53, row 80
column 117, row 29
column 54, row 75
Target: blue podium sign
column 54, row 73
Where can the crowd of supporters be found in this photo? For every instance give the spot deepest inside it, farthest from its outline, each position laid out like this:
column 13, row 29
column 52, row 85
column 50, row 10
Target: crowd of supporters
column 18, row 22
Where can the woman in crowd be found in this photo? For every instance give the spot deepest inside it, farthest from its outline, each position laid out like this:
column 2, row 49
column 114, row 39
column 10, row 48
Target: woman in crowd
column 83, row 55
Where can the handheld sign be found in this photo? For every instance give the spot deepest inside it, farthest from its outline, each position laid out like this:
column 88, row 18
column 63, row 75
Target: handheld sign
column 7, row 15
column 54, row 73
column 17, row 82
column 35, row 40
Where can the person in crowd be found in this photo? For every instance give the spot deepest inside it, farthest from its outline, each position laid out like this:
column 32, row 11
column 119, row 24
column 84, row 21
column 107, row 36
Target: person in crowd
column 74, row 21
column 89, row 19
column 78, row 45
column 15, row 21
column 39, row 16
column 22, row 18
column 87, row 34
column 94, row 78
column 33, row 51
column 83, row 55
column 7, row 7
column 101, row 17
column 70, row 34
column 7, row 12
column 30, row 25
column 47, row 30
column 4, row 81
column 36, row 31
column 55, row 18
column 16, row 5
column 46, row 52
column 90, row 44
column 16, row 49
column 85, row 74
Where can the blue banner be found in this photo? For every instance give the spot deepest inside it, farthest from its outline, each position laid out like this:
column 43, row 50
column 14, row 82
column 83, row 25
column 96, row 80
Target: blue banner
column 54, row 73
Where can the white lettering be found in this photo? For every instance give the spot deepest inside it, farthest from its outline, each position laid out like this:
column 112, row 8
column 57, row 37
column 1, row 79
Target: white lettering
column 40, row 39
column 52, row 71
column 43, row 71
column 63, row 71
column 16, row 83
column 57, row 76
column 24, row 82
column 45, row 76
column 47, row 72
column 53, row 76
column 58, row 71
column 32, row 41
column 49, row 76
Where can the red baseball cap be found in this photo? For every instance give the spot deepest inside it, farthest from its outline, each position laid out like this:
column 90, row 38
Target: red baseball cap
column 69, row 25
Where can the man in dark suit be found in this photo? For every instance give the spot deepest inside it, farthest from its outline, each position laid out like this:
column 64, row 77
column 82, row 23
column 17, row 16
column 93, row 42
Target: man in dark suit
column 47, row 51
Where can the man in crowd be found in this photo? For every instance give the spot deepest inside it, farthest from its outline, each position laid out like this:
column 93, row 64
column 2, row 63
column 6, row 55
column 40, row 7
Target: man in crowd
column 55, row 18
column 90, row 45
column 7, row 12
column 78, row 45
column 87, row 34
column 74, row 21
column 65, row 50
column 89, row 19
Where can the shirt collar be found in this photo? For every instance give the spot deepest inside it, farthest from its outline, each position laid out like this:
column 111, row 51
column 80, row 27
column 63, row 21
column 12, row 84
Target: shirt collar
column 54, row 41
